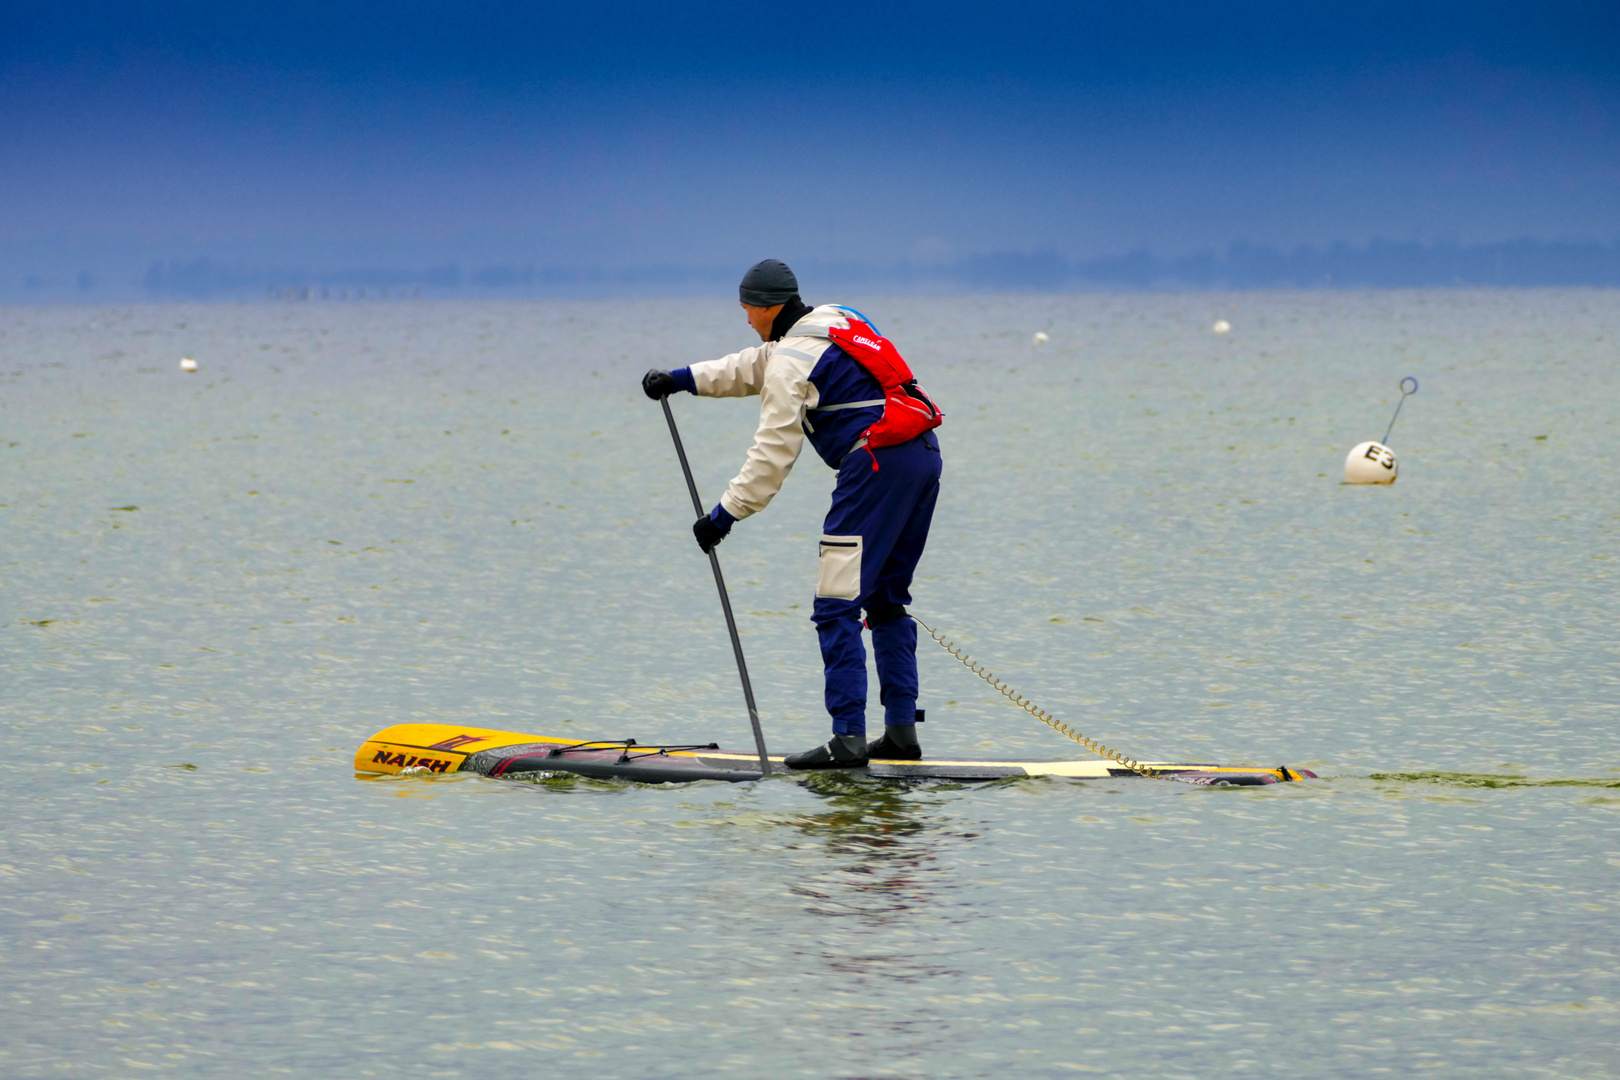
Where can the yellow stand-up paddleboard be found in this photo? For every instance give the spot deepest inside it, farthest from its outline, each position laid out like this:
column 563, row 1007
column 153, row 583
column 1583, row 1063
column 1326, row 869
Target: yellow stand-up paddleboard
column 438, row 749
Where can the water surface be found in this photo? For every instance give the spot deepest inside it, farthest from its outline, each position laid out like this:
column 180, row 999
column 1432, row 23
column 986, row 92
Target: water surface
column 214, row 586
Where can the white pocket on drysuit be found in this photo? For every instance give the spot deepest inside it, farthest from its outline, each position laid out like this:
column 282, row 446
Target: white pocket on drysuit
column 838, row 571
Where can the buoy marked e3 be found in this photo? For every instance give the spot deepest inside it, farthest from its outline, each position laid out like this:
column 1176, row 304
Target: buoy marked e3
column 1371, row 463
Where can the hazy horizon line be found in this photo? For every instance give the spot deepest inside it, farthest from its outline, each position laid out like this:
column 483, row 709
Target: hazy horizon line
column 1525, row 262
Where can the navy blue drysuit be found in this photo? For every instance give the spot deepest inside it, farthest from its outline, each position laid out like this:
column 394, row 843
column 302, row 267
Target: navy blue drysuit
column 890, row 509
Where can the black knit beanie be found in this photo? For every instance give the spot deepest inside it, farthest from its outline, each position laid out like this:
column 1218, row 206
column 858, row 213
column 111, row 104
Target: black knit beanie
column 768, row 282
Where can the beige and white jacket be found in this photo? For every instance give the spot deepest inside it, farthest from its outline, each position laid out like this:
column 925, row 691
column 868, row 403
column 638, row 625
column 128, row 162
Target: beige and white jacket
column 793, row 377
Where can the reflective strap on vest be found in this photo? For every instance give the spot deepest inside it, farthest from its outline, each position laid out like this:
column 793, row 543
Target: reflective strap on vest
column 849, row 405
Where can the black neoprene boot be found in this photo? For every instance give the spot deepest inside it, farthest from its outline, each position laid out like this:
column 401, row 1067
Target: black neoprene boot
column 899, row 743
column 841, row 752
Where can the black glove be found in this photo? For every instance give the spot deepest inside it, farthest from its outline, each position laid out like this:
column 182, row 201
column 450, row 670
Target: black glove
column 658, row 384
column 708, row 533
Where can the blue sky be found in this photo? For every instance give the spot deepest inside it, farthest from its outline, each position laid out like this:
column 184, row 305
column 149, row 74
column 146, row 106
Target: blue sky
column 638, row 133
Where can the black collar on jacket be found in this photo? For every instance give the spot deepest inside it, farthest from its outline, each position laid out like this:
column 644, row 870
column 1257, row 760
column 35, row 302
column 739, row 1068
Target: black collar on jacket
column 792, row 311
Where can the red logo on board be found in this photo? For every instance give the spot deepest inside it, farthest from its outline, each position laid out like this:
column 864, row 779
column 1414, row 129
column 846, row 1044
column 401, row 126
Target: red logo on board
column 457, row 740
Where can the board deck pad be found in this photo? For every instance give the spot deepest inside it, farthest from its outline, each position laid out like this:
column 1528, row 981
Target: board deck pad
column 438, row 749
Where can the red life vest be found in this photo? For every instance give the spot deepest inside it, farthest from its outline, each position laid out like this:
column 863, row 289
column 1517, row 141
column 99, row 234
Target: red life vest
column 907, row 410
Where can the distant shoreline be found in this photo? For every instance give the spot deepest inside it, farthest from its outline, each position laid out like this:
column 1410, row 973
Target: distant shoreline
column 1523, row 263
column 1241, row 267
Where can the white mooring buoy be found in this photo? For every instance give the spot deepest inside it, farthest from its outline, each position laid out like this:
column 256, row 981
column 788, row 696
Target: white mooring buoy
column 1222, row 327
column 1041, row 337
column 188, row 364
column 1375, row 462
column 1371, row 463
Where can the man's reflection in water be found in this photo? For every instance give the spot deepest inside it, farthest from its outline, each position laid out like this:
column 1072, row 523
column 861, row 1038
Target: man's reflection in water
column 879, row 863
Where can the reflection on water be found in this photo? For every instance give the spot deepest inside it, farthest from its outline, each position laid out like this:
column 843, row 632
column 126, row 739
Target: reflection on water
column 884, row 854
column 875, row 860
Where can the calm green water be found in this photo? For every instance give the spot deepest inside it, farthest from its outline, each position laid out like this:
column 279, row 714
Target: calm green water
column 214, row 586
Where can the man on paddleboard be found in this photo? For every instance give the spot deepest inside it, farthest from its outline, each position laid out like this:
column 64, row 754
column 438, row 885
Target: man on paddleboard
column 826, row 374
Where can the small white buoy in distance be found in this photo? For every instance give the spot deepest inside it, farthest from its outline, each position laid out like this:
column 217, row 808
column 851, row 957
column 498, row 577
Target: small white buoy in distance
column 1222, row 327
column 1371, row 463
column 188, row 364
column 1041, row 338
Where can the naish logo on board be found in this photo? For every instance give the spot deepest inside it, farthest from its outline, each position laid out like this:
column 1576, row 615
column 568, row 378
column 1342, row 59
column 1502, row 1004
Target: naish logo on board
column 383, row 757
column 457, row 740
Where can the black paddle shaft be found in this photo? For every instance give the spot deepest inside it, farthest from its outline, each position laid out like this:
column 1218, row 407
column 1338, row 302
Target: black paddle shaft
column 725, row 599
